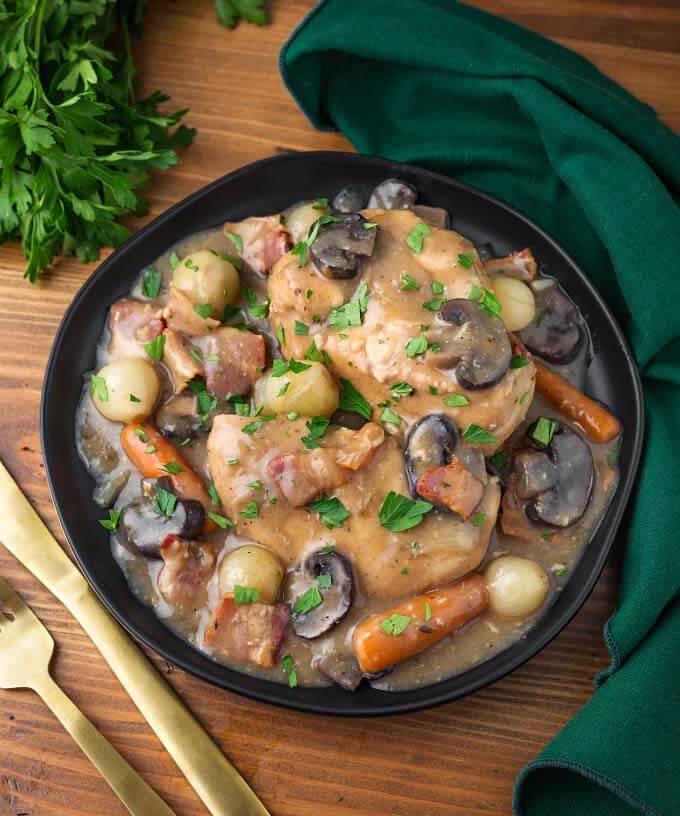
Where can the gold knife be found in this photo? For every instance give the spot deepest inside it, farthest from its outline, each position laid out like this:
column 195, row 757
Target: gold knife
column 220, row 786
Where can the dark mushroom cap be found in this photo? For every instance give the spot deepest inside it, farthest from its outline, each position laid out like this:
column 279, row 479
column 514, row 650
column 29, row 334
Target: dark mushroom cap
column 478, row 348
column 393, row 194
column 350, row 199
column 143, row 530
column 432, row 441
column 178, row 417
column 340, row 245
column 557, row 479
column 348, row 419
column 554, row 334
column 436, row 215
column 336, row 599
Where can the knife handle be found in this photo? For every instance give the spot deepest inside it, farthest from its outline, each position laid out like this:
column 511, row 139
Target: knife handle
column 220, row 786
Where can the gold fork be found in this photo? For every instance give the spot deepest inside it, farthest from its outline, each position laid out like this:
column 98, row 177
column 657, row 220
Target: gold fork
column 25, row 651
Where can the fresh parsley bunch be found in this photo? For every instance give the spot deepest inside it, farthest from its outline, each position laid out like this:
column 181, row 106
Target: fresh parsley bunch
column 76, row 145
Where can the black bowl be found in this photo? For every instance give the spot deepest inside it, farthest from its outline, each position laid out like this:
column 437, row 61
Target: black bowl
column 268, row 186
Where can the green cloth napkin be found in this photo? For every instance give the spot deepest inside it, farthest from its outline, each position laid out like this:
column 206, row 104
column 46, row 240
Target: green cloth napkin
column 442, row 85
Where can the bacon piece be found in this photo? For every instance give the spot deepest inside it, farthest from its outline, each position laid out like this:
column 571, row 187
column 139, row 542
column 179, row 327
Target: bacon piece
column 240, row 360
column 183, row 367
column 359, row 450
column 133, row 323
column 453, row 486
column 302, row 477
column 252, row 632
column 187, row 566
column 180, row 315
column 520, row 265
column 265, row 240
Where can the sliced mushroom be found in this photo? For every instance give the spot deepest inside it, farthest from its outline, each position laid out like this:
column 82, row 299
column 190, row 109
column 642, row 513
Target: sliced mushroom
column 436, row 215
column 341, row 669
column 106, row 492
column 393, row 194
column 143, row 529
column 331, row 574
column 565, row 469
column 340, row 245
column 349, row 200
column 554, row 334
column 478, row 349
column 178, row 418
column 431, row 442
column 349, row 419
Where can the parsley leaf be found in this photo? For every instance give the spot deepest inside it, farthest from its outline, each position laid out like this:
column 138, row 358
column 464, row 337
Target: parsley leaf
column 332, row 511
column 467, row 260
column 151, row 283
column 111, row 523
column 415, row 238
column 301, row 329
column 518, row 362
column 487, row 300
column 317, row 427
column 544, row 430
column 220, row 521
column 250, row 511
column 281, row 367
column 164, row 502
column 243, row 596
column 418, row 345
column 98, row 388
column 401, row 389
column 407, row 282
column 399, row 513
column 236, row 240
column 395, row 625
column 352, row 400
column 289, row 668
column 155, row 348
column 388, row 415
column 456, row 401
column 474, row 435
column 308, row 601
column 345, row 316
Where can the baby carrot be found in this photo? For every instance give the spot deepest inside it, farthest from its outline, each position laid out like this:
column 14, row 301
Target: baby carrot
column 391, row 636
column 153, row 456
column 595, row 420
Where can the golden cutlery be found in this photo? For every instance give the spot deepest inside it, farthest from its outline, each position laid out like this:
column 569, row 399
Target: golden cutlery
column 220, row 786
column 25, row 652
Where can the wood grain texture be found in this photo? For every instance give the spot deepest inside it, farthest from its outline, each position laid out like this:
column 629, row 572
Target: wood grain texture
column 458, row 759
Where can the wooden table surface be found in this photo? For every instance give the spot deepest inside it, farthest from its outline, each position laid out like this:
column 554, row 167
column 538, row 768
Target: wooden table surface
column 457, row 759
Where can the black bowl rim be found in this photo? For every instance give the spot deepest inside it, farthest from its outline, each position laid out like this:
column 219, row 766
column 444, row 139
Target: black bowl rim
column 395, row 702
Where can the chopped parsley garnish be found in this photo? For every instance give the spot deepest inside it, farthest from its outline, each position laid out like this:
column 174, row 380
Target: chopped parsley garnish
column 498, row 460
column 232, row 461
column 433, row 390
column 98, row 388
column 523, row 398
column 139, row 433
column 437, row 288
column 308, row 601
column 196, row 354
column 243, row 596
column 399, row 513
column 474, row 435
column 456, row 401
column 558, row 570
column 150, row 449
column 407, row 282
column 220, row 521
column 281, row 367
column 370, row 225
column 151, row 283
column 133, row 398
column 292, row 416
column 281, row 334
column 204, row 310
column 235, row 261
column 428, row 612
column 253, row 426
column 164, row 502
column 415, row 238
column 236, row 240
column 205, row 401
column 308, row 294
column 289, row 668
column 190, row 265
column 250, row 511
column 332, row 511
column 345, row 316
column 316, row 427
column 320, row 203
column 433, row 305
column 401, row 389
column 467, row 260
column 518, row 362
column 283, row 389
column 214, row 495
column 545, row 535
column 329, row 548
column 231, row 311
column 256, row 309
column 487, row 300
column 111, row 523
column 174, row 260
column 478, row 519
column 256, row 485
column 324, row 580
column 544, row 430
column 388, row 415
column 301, row 329
column 540, row 317
column 352, row 400
column 155, row 348
column 172, row 467
column 612, row 457
column 418, row 345
column 395, row 625
column 240, row 405
column 312, row 353
column 403, row 571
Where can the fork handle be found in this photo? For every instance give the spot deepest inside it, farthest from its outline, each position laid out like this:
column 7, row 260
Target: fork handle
column 130, row 788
